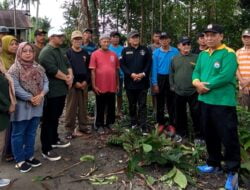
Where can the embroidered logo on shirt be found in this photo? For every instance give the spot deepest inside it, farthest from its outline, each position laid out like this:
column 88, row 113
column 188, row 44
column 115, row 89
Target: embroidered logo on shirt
column 112, row 58
column 216, row 65
column 142, row 52
column 129, row 53
column 84, row 58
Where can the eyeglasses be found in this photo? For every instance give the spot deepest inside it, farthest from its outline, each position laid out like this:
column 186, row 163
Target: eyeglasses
column 186, row 44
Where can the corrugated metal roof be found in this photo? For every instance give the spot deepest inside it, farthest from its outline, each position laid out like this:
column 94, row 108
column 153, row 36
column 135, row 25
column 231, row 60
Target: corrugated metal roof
column 7, row 19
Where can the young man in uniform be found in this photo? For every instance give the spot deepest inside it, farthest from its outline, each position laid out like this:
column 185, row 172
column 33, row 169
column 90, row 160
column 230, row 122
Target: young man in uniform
column 243, row 73
column 136, row 63
column 40, row 37
column 201, row 42
column 215, row 80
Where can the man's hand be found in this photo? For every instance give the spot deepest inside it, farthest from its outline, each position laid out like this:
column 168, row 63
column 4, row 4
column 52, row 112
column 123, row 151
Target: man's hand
column 69, row 80
column 244, row 83
column 78, row 85
column 201, row 87
column 84, row 85
column 96, row 90
column 155, row 89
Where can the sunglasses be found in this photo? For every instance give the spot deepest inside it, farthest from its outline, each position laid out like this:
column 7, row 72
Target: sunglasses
column 186, row 44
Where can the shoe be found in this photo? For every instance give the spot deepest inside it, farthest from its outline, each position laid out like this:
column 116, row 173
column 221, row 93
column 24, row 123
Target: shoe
column 177, row 138
column 4, row 182
column 23, row 167
column 199, row 142
column 61, row 144
column 100, row 130
column 33, row 162
column 209, row 169
column 51, row 156
column 170, row 130
column 232, row 182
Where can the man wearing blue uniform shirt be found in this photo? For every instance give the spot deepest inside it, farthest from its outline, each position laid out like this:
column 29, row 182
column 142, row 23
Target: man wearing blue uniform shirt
column 160, row 79
column 117, row 49
column 87, row 44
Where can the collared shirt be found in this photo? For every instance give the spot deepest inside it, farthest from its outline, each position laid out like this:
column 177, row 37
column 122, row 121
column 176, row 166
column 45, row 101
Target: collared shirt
column 218, row 69
column 243, row 57
column 161, row 62
column 136, row 60
column 118, row 51
column 90, row 47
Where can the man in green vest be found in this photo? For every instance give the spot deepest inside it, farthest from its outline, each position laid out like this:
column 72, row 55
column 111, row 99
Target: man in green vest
column 215, row 80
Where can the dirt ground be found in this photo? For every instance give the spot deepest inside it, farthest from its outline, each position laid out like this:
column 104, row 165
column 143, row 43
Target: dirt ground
column 108, row 159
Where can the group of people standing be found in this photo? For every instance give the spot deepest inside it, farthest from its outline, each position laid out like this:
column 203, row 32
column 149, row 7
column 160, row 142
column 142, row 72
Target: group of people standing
column 39, row 79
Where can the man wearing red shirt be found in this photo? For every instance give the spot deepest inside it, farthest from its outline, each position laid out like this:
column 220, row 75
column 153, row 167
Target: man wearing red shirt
column 104, row 66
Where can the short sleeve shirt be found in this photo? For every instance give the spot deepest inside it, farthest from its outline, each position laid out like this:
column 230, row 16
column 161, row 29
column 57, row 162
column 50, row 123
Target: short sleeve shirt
column 105, row 64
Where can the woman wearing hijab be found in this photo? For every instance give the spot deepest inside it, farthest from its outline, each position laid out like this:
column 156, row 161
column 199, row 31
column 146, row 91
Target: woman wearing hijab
column 7, row 105
column 7, row 58
column 31, row 84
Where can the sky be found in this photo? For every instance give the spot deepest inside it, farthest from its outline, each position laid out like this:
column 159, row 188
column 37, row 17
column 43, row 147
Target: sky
column 50, row 8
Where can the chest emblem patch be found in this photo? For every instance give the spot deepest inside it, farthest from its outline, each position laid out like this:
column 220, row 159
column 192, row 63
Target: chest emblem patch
column 142, row 52
column 112, row 58
column 129, row 52
column 217, row 65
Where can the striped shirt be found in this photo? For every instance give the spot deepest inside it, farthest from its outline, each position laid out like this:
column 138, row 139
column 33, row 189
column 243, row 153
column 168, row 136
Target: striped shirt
column 243, row 57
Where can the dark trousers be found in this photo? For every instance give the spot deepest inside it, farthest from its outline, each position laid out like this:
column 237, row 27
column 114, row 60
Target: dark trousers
column 105, row 102
column 53, row 109
column 220, row 127
column 137, row 100
column 181, row 114
column 7, row 149
column 165, row 98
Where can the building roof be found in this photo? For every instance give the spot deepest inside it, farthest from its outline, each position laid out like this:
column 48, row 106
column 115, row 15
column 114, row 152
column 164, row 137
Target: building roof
column 7, row 19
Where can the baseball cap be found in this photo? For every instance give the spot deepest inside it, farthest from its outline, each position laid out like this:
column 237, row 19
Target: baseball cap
column 76, row 34
column 104, row 36
column 184, row 39
column 133, row 33
column 88, row 30
column 115, row 33
column 164, row 35
column 39, row 31
column 54, row 32
column 4, row 29
column 215, row 28
column 246, row 32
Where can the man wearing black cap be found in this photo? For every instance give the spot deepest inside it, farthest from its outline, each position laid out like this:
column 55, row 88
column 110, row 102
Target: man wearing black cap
column 40, row 37
column 160, row 80
column 87, row 44
column 201, row 42
column 180, row 79
column 215, row 80
column 136, row 63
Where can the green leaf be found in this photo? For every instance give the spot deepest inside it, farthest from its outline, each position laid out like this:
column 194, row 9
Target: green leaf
column 147, row 147
column 150, row 180
column 247, row 145
column 246, row 165
column 103, row 181
column 169, row 175
column 180, row 179
column 87, row 158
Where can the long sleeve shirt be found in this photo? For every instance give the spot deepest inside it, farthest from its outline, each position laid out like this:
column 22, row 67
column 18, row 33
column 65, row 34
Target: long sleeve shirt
column 218, row 70
column 136, row 60
column 161, row 62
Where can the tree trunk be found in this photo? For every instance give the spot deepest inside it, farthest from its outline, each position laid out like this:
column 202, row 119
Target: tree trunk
column 93, row 8
column 152, row 21
column 142, row 21
column 127, row 16
column 161, row 15
column 84, row 16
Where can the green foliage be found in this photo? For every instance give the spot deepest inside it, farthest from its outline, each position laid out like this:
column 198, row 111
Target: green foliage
column 87, row 158
column 103, row 181
column 5, row 5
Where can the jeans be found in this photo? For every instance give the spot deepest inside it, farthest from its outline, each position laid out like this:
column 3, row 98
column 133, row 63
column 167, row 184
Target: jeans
column 23, row 138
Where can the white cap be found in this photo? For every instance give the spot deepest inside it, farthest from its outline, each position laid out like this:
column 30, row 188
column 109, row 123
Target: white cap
column 55, row 32
column 104, row 36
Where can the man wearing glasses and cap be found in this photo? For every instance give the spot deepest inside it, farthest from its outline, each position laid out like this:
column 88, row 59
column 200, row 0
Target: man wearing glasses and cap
column 180, row 79
column 40, row 37
column 243, row 73
column 215, row 80
column 136, row 62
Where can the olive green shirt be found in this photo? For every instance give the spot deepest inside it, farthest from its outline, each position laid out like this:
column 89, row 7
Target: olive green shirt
column 53, row 60
column 181, row 70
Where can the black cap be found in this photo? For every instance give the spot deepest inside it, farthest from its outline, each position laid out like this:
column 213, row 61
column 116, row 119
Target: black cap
column 88, row 30
column 39, row 32
column 201, row 34
column 215, row 28
column 4, row 29
column 164, row 35
column 115, row 33
column 184, row 39
column 133, row 33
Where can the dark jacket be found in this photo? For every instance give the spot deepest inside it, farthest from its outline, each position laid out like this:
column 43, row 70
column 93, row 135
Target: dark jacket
column 136, row 60
column 4, row 103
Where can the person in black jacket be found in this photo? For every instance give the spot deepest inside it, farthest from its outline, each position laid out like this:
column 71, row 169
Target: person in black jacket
column 136, row 63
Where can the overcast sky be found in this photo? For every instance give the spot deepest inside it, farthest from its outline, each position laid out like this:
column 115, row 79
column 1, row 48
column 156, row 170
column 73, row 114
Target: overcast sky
column 50, row 8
